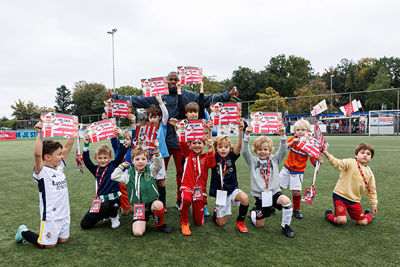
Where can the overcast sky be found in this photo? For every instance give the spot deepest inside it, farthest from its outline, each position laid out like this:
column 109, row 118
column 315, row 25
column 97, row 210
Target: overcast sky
column 45, row 44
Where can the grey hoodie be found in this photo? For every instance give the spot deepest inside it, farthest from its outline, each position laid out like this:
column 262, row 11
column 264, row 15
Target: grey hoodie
column 258, row 184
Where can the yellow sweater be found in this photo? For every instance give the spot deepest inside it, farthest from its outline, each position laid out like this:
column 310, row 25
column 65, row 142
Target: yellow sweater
column 351, row 185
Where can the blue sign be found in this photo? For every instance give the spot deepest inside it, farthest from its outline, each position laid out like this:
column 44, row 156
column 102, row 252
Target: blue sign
column 26, row 134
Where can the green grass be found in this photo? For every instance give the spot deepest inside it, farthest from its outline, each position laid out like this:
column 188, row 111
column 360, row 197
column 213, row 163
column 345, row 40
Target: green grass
column 316, row 242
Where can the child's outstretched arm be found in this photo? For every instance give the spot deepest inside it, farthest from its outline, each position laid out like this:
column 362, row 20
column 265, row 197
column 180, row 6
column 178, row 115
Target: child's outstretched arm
column 173, row 122
column 120, row 175
column 164, row 111
column 68, row 147
column 209, row 128
column 86, row 157
column 132, row 118
column 37, row 151
column 239, row 143
column 339, row 164
column 282, row 146
column 121, row 149
column 210, row 159
column 156, row 166
column 181, row 105
column 202, row 114
column 246, row 146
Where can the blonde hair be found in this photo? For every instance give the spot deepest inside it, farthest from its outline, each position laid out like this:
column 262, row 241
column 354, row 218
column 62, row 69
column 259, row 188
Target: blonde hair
column 103, row 149
column 138, row 151
column 261, row 140
column 302, row 123
column 222, row 140
column 127, row 134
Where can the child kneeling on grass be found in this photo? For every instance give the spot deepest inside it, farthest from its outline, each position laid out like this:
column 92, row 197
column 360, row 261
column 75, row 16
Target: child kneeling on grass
column 142, row 190
column 53, row 193
column 264, row 170
column 223, row 178
column 355, row 178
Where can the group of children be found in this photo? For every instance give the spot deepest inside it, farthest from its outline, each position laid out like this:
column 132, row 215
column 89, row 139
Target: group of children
column 135, row 179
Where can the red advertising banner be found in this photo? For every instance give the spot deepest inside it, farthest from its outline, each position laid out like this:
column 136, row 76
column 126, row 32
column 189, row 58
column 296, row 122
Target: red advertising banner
column 265, row 122
column 191, row 130
column 154, row 86
column 190, row 74
column 8, row 135
column 225, row 113
column 59, row 125
column 310, row 145
column 146, row 134
column 101, row 130
column 117, row 108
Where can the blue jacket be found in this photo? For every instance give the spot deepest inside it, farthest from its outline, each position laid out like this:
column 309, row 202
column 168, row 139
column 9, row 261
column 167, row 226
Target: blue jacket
column 171, row 102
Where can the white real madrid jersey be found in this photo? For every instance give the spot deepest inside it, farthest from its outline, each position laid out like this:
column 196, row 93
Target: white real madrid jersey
column 53, row 193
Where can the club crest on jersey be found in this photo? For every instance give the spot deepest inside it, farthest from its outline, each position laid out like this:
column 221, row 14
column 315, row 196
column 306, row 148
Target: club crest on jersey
column 259, row 213
column 48, row 235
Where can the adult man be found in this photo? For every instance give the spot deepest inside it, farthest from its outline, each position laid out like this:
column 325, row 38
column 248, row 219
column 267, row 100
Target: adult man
column 171, row 102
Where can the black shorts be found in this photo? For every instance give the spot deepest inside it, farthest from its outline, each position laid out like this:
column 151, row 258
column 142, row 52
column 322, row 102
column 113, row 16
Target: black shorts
column 264, row 212
column 147, row 214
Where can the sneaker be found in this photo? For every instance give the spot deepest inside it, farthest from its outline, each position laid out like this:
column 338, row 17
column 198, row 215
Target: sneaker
column 165, row 228
column 178, row 204
column 253, row 216
column 242, row 228
column 328, row 212
column 18, row 236
column 297, row 214
column 287, row 231
column 368, row 211
column 185, row 229
column 206, row 213
column 115, row 222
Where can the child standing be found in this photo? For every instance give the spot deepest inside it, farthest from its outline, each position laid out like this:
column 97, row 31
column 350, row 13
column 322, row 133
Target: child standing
column 141, row 188
column 107, row 191
column 53, row 193
column 355, row 178
column 265, row 188
column 223, row 178
column 292, row 172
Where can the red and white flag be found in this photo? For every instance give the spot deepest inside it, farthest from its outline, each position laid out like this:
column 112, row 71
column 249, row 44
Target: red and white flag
column 146, row 134
column 190, row 74
column 101, row 130
column 319, row 137
column 190, row 130
column 59, row 125
column 310, row 145
column 319, row 108
column 154, row 86
column 117, row 108
column 225, row 113
column 352, row 107
column 265, row 122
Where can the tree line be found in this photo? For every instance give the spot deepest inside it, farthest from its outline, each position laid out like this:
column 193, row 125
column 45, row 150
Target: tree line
column 283, row 77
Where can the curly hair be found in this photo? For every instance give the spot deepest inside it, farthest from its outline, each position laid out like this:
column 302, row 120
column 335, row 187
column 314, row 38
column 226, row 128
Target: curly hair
column 222, row 140
column 261, row 140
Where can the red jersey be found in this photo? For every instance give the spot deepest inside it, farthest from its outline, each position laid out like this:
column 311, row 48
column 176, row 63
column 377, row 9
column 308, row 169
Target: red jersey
column 195, row 169
column 296, row 161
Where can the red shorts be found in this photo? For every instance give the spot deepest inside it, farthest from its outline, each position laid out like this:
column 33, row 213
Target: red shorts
column 124, row 197
column 355, row 210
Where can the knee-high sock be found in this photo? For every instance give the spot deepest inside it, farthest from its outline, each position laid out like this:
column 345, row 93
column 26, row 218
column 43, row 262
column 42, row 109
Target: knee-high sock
column 368, row 217
column 163, row 195
column 331, row 217
column 242, row 212
column 296, row 202
column 159, row 217
column 31, row 237
column 287, row 211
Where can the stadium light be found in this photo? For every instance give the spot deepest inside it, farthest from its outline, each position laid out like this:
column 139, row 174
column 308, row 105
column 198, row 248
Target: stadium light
column 331, row 88
column 112, row 35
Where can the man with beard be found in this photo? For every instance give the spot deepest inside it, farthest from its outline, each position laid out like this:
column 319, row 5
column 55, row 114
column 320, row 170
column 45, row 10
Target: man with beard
column 171, row 102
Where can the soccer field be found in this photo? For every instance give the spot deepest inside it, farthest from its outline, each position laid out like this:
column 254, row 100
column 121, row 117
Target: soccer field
column 316, row 242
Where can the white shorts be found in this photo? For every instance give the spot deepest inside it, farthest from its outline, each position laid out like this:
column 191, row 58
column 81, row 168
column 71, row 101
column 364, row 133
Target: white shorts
column 51, row 231
column 291, row 180
column 162, row 174
column 222, row 211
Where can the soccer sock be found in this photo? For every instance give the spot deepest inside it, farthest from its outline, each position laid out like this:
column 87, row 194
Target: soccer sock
column 368, row 217
column 159, row 216
column 296, row 202
column 242, row 212
column 331, row 217
column 31, row 237
column 287, row 211
column 163, row 195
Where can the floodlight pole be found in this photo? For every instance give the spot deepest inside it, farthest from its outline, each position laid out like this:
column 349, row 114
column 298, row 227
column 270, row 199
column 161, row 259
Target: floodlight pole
column 331, row 89
column 112, row 35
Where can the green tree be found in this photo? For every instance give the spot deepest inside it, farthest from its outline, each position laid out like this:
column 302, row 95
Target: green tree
column 86, row 98
column 63, row 100
column 129, row 90
column 267, row 102
column 25, row 111
column 392, row 64
column 376, row 99
column 286, row 74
